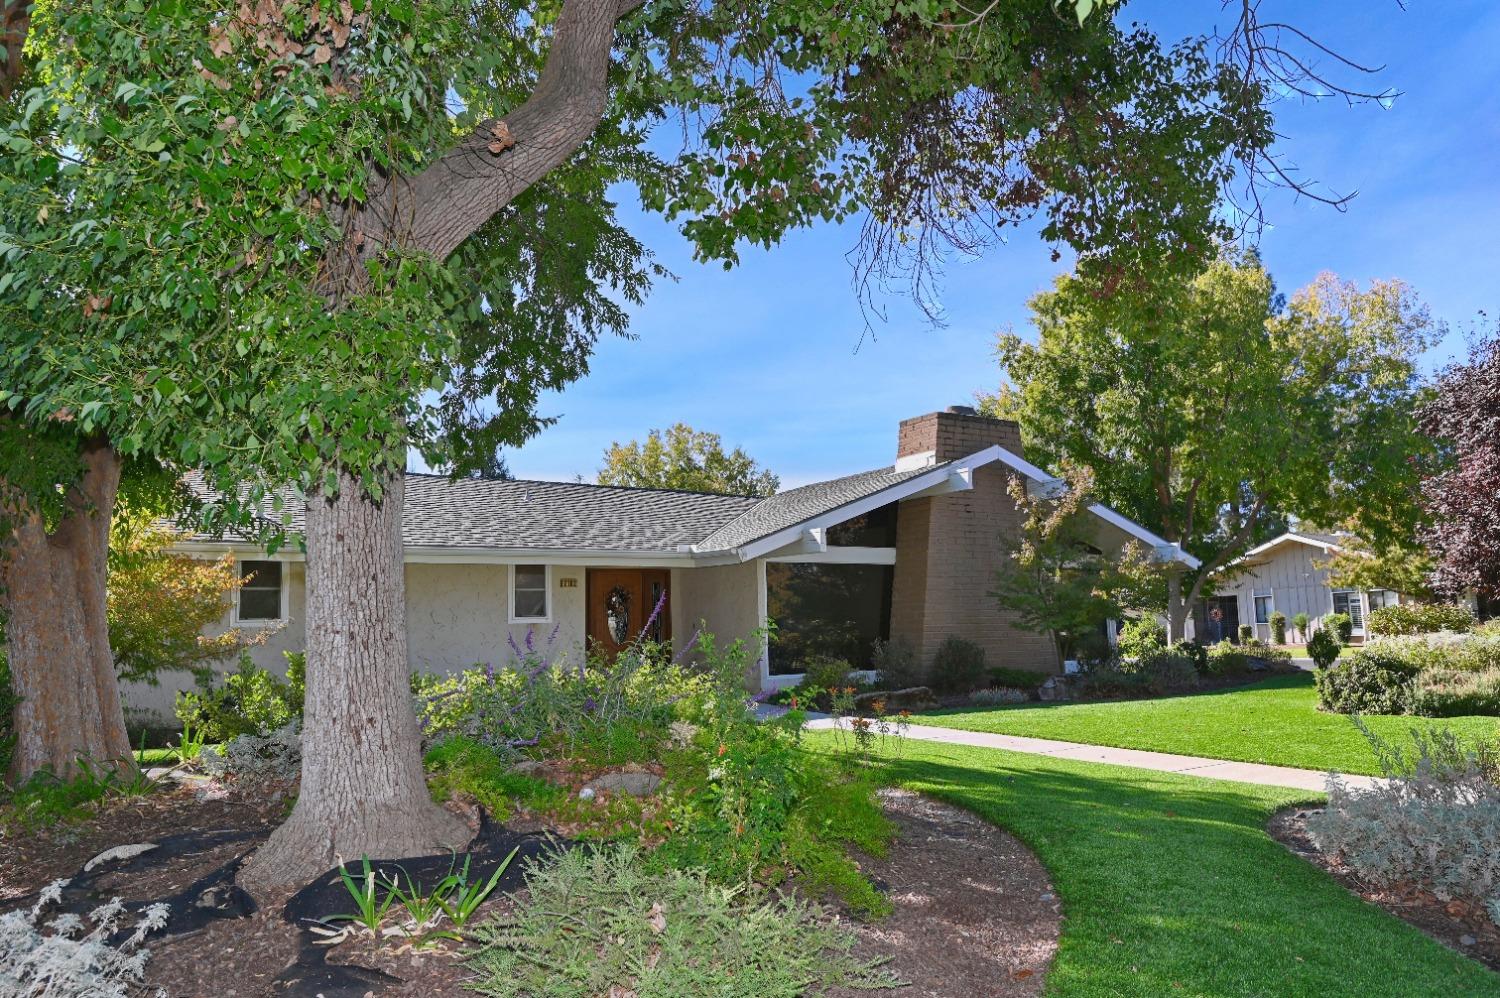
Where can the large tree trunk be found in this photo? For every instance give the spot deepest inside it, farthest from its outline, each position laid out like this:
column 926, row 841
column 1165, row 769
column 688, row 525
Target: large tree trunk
column 1177, row 608
column 363, row 790
column 56, row 631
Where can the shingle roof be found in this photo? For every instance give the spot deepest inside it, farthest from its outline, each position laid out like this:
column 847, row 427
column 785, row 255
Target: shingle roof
column 563, row 516
column 795, row 506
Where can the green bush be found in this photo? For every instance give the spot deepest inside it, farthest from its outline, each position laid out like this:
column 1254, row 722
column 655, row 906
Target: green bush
column 895, row 664
column 1266, row 652
column 1140, row 637
column 1247, row 633
column 1165, row 670
column 1420, row 618
column 824, row 672
column 1195, row 651
column 606, row 922
column 1340, row 625
column 1370, row 681
column 1456, row 693
column 250, row 701
column 958, row 666
column 1300, row 622
column 1278, row 628
column 1016, row 679
column 1224, row 659
column 1323, row 648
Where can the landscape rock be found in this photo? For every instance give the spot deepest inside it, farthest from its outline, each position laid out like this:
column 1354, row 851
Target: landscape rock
column 528, row 767
column 634, row 784
column 911, row 698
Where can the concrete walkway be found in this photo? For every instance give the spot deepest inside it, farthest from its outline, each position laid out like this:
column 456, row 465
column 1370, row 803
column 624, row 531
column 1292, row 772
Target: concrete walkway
column 1162, row 762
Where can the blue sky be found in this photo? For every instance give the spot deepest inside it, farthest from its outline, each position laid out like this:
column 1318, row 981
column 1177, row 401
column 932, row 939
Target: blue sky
column 771, row 356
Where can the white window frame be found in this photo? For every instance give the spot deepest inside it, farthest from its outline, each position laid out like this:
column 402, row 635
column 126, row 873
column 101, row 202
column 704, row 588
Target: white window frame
column 510, row 596
column 1370, row 607
column 1357, row 599
column 286, row 587
column 1270, row 599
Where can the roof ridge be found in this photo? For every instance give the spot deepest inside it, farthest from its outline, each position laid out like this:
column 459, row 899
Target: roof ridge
column 586, row 485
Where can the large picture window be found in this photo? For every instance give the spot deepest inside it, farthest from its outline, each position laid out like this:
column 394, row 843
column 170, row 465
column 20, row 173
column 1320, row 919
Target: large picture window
column 824, row 609
column 260, row 599
column 1347, row 601
column 529, row 594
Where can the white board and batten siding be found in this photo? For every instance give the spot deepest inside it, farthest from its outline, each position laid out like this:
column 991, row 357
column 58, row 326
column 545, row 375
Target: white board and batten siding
column 1290, row 576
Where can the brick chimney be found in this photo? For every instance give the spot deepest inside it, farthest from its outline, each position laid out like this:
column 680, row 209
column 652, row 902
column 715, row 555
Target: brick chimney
column 948, row 547
column 957, row 431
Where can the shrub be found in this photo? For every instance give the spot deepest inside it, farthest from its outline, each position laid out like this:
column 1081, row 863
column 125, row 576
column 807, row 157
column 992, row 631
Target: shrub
column 1323, row 648
column 995, row 696
column 1367, row 682
column 1300, row 622
column 1247, row 633
column 462, row 767
column 895, row 664
column 1166, row 670
column 251, row 701
column 1195, row 651
column 1278, row 628
column 1019, row 679
column 1340, row 625
column 1224, row 659
column 1420, row 618
column 958, row 666
column 1435, row 819
column 602, row 922
column 1140, row 636
column 1266, row 652
column 1091, row 649
column 1456, row 693
column 825, row 673
column 75, row 958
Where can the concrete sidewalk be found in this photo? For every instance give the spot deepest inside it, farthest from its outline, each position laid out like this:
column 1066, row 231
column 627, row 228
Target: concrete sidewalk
column 1162, row 762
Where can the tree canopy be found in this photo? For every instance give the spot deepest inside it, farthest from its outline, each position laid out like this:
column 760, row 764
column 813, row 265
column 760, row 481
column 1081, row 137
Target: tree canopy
column 684, row 458
column 1462, row 498
column 1210, row 408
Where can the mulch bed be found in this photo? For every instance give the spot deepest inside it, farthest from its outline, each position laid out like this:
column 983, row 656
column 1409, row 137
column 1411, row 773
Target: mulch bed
column 1458, row 925
column 976, row 914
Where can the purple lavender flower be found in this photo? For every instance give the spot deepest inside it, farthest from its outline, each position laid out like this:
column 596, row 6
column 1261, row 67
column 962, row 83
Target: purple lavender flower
column 510, row 639
column 552, row 638
column 655, row 612
column 529, row 635
column 489, row 672
column 677, row 658
column 589, row 706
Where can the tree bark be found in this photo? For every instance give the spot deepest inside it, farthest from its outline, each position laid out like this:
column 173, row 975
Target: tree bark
column 56, row 629
column 363, row 790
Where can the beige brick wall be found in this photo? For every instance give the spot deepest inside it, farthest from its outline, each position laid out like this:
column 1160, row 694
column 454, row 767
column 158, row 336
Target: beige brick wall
column 949, row 547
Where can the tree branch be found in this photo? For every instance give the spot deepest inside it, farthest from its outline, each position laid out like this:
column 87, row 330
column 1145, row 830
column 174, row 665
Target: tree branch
column 446, row 203
column 13, row 28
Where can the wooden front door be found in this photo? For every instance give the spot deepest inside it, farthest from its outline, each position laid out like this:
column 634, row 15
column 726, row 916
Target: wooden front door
column 620, row 603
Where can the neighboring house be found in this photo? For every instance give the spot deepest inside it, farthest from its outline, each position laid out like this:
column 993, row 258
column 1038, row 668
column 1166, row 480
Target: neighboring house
column 1283, row 574
column 908, row 551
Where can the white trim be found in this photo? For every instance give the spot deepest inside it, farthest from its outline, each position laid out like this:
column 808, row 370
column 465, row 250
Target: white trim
column 762, row 611
column 510, row 596
column 1288, row 536
column 286, row 605
column 841, row 556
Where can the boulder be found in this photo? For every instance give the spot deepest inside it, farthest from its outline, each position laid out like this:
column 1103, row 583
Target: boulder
column 911, row 698
column 634, row 784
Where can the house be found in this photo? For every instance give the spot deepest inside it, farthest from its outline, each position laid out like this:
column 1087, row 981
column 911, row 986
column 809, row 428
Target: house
column 1284, row 574
column 904, row 551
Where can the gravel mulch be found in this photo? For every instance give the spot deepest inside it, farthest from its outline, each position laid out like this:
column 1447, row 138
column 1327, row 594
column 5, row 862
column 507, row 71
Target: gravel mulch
column 1460, row 926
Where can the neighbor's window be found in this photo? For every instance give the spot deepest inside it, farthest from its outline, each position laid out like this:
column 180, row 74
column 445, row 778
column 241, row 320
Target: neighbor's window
column 529, row 593
column 1381, row 598
column 1263, row 608
column 1347, row 601
column 260, row 597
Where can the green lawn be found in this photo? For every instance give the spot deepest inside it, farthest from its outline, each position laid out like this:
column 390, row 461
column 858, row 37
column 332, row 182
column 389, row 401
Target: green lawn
column 1170, row 885
column 1274, row 721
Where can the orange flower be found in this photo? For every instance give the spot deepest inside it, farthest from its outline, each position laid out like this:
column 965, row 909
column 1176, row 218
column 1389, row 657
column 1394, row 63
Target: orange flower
column 722, row 748
column 906, row 713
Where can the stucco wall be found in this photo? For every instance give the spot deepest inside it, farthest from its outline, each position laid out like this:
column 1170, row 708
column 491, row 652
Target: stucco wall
column 457, row 616
column 726, row 599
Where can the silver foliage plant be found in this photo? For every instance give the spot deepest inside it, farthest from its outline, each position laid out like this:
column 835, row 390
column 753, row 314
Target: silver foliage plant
column 1434, row 820
column 68, row 956
column 253, row 759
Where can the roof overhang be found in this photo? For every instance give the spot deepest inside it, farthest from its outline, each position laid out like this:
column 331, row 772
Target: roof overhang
column 1253, row 556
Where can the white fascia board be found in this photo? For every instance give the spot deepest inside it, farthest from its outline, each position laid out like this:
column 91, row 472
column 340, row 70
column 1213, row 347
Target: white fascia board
column 841, row 556
column 954, row 477
column 1292, row 536
column 438, row 555
column 813, row 540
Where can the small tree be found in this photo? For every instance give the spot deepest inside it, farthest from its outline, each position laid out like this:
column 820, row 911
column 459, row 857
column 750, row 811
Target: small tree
column 1323, row 647
column 1055, row 580
column 160, row 603
column 1278, row 628
column 685, row 458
